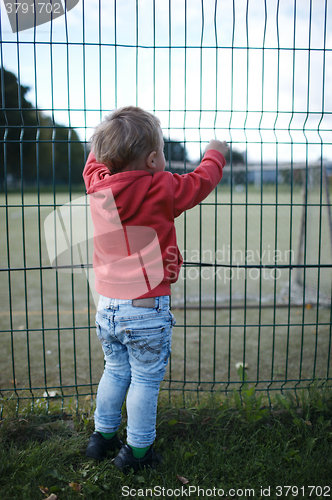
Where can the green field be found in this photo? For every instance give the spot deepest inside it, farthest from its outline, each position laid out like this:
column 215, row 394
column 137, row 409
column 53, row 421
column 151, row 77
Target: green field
column 224, row 316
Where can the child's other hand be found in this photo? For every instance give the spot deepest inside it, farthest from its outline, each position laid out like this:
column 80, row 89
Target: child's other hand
column 222, row 147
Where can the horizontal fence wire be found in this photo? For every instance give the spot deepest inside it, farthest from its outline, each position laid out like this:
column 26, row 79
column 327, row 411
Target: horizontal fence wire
column 253, row 299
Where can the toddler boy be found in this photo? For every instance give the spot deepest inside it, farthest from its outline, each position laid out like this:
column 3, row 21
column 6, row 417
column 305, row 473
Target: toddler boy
column 133, row 204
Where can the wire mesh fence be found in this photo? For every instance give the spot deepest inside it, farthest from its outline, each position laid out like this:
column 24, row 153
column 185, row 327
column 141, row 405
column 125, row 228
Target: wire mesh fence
column 255, row 287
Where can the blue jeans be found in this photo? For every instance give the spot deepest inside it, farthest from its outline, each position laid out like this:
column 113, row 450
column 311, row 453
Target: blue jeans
column 137, row 343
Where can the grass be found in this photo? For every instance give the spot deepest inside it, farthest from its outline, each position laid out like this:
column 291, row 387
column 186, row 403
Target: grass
column 47, row 321
column 220, row 444
column 204, row 351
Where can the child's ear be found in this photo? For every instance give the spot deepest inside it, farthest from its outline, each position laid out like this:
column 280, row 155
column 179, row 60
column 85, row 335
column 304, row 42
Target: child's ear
column 150, row 160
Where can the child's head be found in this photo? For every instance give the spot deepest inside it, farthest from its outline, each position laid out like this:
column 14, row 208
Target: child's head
column 125, row 136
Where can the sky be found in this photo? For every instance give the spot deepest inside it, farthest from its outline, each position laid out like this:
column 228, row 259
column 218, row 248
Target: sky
column 235, row 70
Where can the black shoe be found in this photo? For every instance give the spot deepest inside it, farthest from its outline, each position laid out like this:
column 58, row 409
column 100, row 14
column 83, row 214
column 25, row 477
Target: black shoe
column 125, row 459
column 98, row 446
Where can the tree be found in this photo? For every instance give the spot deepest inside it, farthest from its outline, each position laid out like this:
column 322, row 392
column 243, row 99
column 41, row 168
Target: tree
column 61, row 153
column 235, row 156
column 17, row 124
column 33, row 145
column 174, row 151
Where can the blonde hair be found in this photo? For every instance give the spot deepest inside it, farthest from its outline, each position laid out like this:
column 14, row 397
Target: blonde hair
column 124, row 136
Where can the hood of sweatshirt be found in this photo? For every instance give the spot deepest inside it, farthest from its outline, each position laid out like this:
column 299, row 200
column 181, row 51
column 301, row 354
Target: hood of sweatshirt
column 128, row 189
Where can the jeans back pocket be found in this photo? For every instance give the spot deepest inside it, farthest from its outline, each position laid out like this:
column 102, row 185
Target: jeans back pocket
column 146, row 344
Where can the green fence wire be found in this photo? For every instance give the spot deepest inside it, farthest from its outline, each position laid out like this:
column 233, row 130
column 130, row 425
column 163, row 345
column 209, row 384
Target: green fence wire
column 255, row 288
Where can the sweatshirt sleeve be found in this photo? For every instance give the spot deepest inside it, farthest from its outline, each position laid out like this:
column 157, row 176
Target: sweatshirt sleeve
column 192, row 188
column 94, row 172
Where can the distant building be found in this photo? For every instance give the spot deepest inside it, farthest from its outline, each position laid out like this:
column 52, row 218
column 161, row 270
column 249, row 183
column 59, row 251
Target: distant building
column 261, row 173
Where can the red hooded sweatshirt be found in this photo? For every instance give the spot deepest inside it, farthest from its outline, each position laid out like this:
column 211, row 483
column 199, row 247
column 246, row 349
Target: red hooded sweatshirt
column 135, row 248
